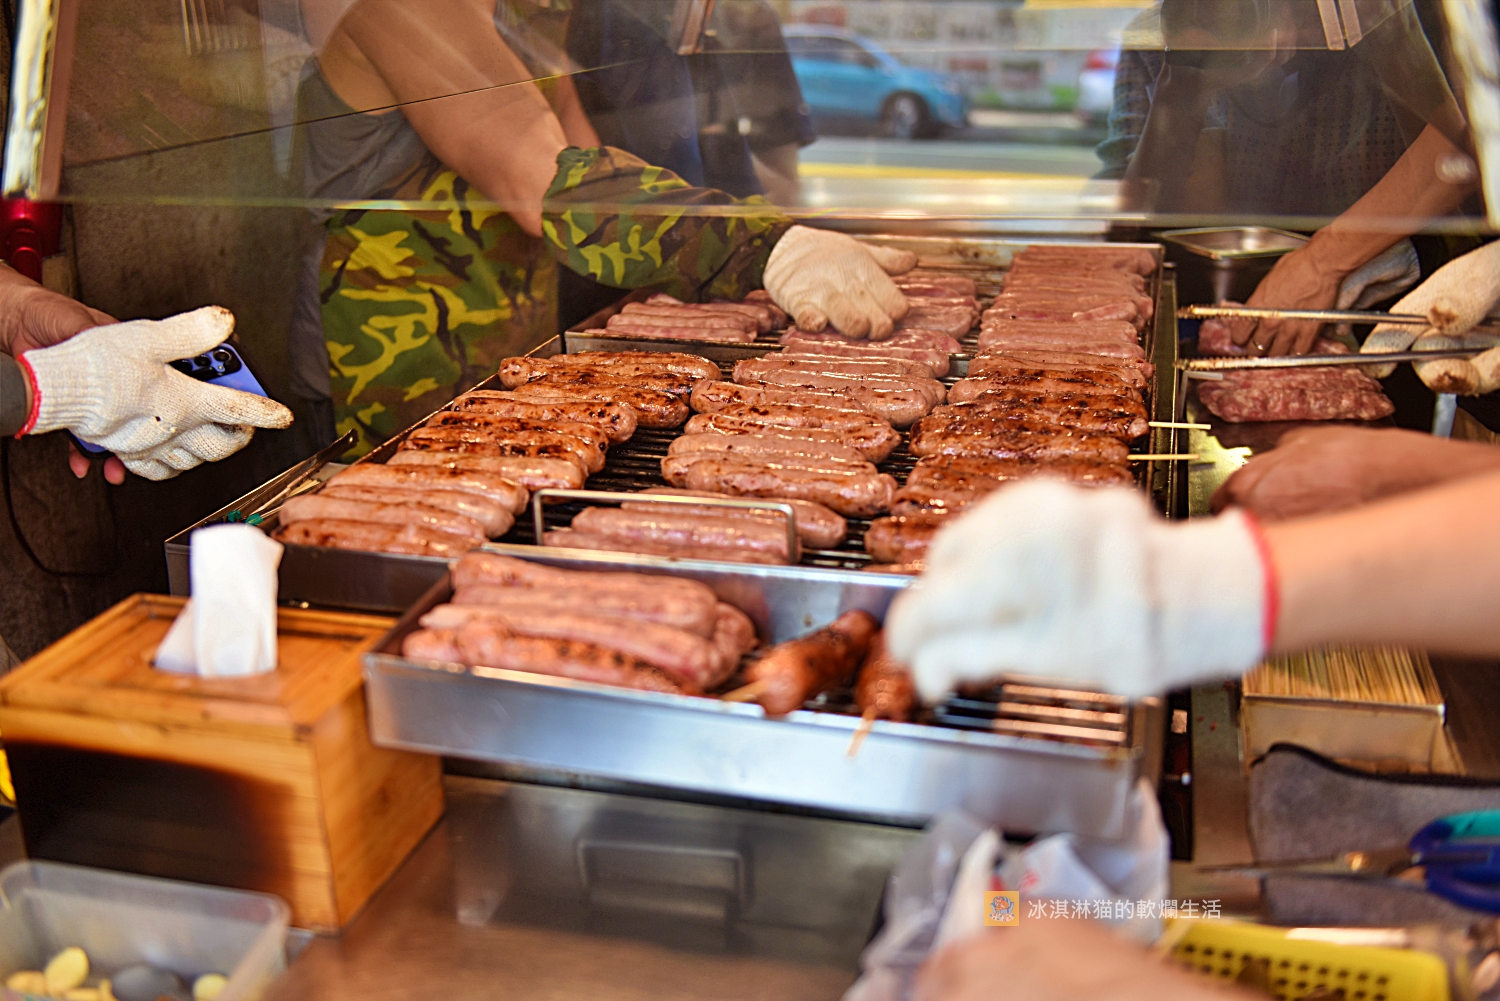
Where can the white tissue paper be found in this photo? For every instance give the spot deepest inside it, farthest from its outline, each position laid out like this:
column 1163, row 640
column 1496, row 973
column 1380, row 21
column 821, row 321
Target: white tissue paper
column 227, row 629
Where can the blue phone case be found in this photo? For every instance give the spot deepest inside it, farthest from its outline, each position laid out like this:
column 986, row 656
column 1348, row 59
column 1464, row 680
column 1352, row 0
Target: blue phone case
column 223, row 366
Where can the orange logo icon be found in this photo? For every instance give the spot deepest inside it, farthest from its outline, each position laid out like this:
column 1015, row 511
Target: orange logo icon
column 1002, row 908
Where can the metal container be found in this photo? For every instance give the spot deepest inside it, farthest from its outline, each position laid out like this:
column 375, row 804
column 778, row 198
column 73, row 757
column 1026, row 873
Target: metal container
column 1225, row 263
column 1030, row 758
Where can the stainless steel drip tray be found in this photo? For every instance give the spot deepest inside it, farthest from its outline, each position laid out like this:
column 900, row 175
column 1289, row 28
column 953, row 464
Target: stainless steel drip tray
column 902, row 772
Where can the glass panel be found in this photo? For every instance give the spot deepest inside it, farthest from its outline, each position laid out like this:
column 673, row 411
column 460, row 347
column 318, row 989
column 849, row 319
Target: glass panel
column 1066, row 114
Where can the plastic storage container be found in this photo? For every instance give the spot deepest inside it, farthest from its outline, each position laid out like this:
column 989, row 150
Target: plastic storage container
column 122, row 920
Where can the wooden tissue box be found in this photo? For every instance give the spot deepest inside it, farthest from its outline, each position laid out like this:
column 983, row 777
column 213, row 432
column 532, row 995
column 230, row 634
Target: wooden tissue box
column 266, row 783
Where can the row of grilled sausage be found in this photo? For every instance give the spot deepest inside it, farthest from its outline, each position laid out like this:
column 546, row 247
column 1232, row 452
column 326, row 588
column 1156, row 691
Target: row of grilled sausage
column 651, row 633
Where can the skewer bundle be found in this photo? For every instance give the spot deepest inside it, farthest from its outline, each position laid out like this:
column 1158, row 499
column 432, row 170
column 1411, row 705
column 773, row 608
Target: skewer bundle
column 1393, row 675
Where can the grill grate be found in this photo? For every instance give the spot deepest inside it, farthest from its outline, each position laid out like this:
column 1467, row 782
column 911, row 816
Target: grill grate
column 636, row 464
column 1018, row 709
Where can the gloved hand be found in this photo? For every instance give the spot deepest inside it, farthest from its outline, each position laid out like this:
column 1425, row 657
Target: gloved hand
column 1047, row 579
column 112, row 386
column 820, row 277
column 1389, row 273
column 1456, row 297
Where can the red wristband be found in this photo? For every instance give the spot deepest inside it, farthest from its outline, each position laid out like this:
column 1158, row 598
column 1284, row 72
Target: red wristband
column 36, row 395
column 1272, row 587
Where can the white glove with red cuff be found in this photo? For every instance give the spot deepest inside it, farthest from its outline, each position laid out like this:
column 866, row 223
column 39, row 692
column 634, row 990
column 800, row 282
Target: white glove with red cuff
column 1085, row 585
column 820, row 277
column 1457, row 297
column 111, row 386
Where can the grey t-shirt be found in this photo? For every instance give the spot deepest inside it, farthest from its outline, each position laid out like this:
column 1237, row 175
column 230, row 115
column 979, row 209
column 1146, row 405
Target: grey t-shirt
column 346, row 156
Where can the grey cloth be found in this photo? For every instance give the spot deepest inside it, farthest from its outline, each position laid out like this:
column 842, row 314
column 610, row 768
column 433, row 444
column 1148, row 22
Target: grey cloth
column 1304, row 806
column 13, row 409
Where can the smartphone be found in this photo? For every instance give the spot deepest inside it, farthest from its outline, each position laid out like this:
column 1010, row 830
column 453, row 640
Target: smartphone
column 223, row 366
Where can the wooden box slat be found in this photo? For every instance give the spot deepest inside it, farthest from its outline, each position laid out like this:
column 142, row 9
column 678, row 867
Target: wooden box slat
column 267, row 783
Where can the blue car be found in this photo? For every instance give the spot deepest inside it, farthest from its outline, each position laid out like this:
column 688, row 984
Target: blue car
column 846, row 79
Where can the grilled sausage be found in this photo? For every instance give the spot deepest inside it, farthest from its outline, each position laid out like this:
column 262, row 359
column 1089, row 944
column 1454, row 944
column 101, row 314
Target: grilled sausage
column 1009, row 369
column 875, row 441
column 900, row 407
column 684, row 530
column 538, row 473
column 456, row 444
column 686, row 656
column 1076, row 257
column 567, row 538
column 676, row 362
column 1008, row 343
column 686, row 604
column 674, row 468
column 996, row 326
column 884, row 689
column 803, row 668
column 653, row 409
column 642, row 330
column 850, row 494
column 431, row 644
column 490, row 644
column 758, row 444
column 1028, row 277
column 830, row 365
column 945, row 484
column 1135, row 371
column 493, row 518
column 860, row 386
column 519, row 371
column 316, row 507
column 1074, row 382
column 500, row 426
column 507, row 493
column 899, row 341
column 817, row 526
column 617, row 421
column 688, row 316
column 903, row 538
column 375, row 537
column 947, row 321
column 955, row 283
column 590, row 452
column 987, row 436
column 734, row 636
column 1118, row 416
column 670, row 383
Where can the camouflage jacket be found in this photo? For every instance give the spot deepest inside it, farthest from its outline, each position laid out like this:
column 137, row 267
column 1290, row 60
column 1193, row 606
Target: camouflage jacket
column 623, row 222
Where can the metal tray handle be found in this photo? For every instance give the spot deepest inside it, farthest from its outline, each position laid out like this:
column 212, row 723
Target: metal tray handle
column 540, row 498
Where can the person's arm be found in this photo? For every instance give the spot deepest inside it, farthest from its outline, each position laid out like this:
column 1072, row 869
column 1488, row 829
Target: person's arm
column 1162, row 160
column 1319, row 470
column 467, row 95
column 1420, row 570
column 1092, row 586
column 1413, row 192
column 577, row 128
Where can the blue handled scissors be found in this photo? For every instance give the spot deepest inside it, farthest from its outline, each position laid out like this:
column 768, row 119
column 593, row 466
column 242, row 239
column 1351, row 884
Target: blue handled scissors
column 1459, row 855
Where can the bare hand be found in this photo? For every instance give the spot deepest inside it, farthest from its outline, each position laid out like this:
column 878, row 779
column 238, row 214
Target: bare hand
column 1298, row 281
column 114, row 469
column 1043, row 960
column 36, row 317
column 1317, row 470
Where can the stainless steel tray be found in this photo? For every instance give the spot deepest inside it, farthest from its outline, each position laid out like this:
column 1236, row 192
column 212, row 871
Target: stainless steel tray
column 903, row 772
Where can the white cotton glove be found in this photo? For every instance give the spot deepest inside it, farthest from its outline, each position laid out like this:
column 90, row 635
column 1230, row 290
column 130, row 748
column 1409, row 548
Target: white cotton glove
column 111, row 386
column 1088, row 586
column 1390, row 273
column 1456, row 297
column 821, row 278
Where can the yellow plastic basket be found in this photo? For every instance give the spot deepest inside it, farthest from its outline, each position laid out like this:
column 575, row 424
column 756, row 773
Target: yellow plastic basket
column 1297, row 966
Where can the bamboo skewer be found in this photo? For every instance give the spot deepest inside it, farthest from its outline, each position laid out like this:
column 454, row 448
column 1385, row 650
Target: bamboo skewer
column 746, row 693
column 1181, row 424
column 1168, row 456
column 1392, row 675
column 866, row 723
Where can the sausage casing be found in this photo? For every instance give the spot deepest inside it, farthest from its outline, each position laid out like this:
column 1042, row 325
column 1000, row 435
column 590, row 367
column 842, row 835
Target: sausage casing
column 792, row 672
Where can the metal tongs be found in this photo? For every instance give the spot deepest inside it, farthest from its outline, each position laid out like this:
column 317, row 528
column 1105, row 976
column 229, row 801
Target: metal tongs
column 1322, row 315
